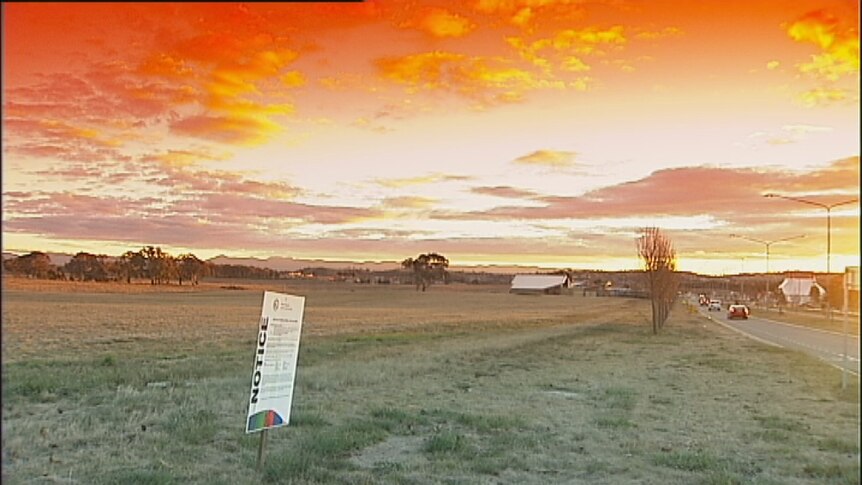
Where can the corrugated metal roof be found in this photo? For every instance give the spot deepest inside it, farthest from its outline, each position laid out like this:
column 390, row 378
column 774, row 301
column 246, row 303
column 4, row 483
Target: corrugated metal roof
column 537, row 282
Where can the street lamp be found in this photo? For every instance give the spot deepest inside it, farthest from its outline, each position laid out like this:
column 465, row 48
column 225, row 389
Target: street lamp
column 767, row 244
column 828, row 208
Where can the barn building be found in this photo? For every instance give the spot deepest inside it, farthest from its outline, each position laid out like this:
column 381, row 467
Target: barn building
column 540, row 284
column 797, row 288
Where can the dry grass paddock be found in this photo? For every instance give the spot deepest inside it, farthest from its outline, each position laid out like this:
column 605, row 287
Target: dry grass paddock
column 460, row 384
column 73, row 318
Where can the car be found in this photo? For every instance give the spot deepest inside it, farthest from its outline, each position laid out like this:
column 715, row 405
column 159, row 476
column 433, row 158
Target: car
column 703, row 300
column 714, row 305
column 737, row 311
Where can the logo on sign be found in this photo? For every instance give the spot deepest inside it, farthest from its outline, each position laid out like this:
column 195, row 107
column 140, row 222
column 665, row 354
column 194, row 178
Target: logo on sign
column 275, row 304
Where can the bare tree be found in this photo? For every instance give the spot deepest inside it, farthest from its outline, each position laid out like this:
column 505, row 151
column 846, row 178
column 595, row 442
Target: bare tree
column 659, row 259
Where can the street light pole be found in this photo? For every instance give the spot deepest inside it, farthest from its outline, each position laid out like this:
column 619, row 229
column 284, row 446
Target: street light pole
column 767, row 244
column 828, row 208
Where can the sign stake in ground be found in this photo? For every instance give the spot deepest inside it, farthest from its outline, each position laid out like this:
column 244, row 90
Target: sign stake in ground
column 274, row 369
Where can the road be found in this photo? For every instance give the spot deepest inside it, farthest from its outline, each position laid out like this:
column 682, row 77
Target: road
column 825, row 345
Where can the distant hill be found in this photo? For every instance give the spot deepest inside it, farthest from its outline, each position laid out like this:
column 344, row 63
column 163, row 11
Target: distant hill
column 279, row 263
column 290, row 264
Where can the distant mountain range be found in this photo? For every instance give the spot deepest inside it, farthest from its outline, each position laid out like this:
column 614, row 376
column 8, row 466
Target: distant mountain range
column 279, row 263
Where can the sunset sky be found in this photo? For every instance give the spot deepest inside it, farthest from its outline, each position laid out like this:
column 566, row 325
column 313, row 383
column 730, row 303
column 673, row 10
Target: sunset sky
column 512, row 132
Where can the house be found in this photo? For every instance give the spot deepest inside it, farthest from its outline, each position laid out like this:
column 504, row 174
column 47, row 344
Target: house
column 537, row 284
column 797, row 288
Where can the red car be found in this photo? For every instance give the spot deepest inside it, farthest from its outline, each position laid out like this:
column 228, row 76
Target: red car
column 737, row 311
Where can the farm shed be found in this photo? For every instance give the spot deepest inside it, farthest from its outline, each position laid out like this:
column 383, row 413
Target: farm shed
column 534, row 284
column 797, row 288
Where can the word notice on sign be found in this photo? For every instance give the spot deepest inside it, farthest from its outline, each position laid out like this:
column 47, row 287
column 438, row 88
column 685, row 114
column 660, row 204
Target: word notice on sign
column 276, row 351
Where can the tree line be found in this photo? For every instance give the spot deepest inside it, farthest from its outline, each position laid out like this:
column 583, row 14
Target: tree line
column 148, row 263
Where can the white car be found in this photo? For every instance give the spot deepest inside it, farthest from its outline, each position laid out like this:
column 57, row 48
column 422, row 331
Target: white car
column 714, row 305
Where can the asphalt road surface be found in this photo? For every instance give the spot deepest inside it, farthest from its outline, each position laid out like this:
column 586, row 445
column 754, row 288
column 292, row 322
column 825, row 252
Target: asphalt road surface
column 825, row 345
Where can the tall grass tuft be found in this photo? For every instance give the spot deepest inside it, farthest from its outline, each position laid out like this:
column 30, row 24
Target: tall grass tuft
column 446, row 442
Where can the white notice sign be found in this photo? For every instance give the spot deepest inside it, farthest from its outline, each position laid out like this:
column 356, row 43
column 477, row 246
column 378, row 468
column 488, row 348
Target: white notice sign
column 276, row 351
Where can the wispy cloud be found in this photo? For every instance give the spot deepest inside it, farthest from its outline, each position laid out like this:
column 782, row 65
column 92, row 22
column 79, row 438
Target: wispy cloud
column 723, row 192
column 408, row 202
column 805, row 129
column 504, row 191
column 421, row 180
column 186, row 158
column 548, row 158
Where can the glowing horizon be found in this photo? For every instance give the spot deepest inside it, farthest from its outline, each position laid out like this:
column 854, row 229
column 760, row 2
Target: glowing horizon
column 511, row 133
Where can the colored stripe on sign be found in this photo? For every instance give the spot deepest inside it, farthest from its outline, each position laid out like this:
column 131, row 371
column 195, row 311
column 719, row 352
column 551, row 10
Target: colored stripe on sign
column 264, row 419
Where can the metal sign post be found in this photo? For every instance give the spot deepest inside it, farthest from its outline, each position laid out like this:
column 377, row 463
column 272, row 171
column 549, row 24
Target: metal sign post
column 851, row 282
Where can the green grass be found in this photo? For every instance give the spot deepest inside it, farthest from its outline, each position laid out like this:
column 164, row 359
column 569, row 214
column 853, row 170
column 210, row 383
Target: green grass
column 838, row 446
column 780, row 423
column 833, row 472
column 446, row 442
column 692, row 461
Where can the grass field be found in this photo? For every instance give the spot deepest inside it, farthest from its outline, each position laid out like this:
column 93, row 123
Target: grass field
column 461, row 384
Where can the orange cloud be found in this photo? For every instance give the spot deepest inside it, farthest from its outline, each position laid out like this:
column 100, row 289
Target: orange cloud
column 523, row 12
column 479, row 78
column 419, row 70
column 441, row 23
column 659, row 34
column 239, row 130
column 226, row 76
column 583, row 41
column 293, row 79
column 839, row 56
column 566, row 51
column 166, row 66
